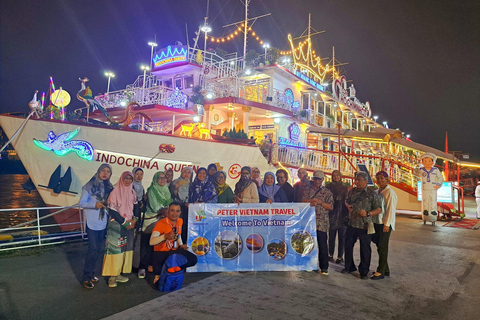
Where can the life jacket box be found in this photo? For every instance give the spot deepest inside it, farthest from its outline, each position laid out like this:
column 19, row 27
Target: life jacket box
column 171, row 278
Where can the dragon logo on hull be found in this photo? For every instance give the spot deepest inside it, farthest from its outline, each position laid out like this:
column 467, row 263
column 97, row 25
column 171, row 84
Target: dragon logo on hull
column 61, row 145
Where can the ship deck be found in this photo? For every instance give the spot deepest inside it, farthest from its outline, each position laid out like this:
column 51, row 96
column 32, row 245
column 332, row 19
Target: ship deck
column 435, row 274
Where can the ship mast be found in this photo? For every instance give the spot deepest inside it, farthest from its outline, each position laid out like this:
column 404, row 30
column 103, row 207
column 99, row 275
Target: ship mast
column 244, row 24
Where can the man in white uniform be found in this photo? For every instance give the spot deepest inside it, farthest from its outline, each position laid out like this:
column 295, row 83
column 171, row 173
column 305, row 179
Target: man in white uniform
column 477, row 199
column 432, row 180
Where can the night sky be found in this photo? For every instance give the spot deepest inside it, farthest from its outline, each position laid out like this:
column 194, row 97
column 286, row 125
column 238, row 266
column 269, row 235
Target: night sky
column 415, row 61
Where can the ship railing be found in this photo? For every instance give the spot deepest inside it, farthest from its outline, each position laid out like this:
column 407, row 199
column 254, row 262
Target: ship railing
column 154, row 95
column 35, row 233
column 264, row 94
column 347, row 163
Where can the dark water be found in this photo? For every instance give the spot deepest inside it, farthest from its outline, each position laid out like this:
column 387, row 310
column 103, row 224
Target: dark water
column 12, row 195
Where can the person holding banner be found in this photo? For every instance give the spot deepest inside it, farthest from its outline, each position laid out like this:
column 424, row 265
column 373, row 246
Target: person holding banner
column 269, row 192
column 224, row 192
column 245, row 189
column 322, row 199
column 362, row 203
column 167, row 241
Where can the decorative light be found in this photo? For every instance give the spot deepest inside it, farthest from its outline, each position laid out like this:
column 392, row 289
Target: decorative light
column 196, row 119
column 248, row 72
column 276, row 120
column 61, row 145
column 307, row 61
column 375, row 118
column 177, row 100
column 123, row 103
column 206, row 28
column 169, row 55
column 209, row 95
column 408, row 136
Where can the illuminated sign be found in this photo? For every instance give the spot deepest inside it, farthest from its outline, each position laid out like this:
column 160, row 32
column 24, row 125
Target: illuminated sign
column 61, row 145
column 294, row 131
column 309, row 81
column 307, row 60
column 288, row 142
column 177, row 100
column 170, row 56
column 444, row 194
column 340, row 92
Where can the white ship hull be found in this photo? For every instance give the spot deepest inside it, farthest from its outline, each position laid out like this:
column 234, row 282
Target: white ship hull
column 123, row 150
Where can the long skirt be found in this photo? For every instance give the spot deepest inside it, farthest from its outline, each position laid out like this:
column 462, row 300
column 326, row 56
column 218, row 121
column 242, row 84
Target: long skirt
column 118, row 250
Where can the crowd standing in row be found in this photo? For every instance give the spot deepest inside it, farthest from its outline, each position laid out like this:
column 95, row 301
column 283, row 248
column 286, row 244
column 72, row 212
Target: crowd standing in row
column 160, row 215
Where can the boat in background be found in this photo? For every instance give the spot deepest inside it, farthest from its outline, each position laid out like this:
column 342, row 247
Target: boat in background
column 299, row 112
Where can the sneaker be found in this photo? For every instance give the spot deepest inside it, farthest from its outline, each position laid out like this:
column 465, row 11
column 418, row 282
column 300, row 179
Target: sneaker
column 88, row 284
column 324, row 272
column 112, row 282
column 157, row 277
column 434, row 213
column 310, row 270
column 330, row 258
column 425, row 212
column 94, row 279
column 339, row 260
column 364, row 276
column 141, row 273
column 121, row 278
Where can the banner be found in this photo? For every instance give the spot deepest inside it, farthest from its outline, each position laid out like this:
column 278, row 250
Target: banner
column 253, row 237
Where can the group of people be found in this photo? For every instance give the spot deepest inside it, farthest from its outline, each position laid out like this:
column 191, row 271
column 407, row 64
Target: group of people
column 160, row 215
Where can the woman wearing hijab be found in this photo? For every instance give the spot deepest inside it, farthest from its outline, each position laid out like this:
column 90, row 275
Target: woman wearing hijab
column 269, row 192
column 179, row 189
column 139, row 207
column 211, row 170
column 93, row 201
column 245, row 189
column 256, row 177
column 202, row 190
column 337, row 217
column 119, row 249
column 169, row 174
column 224, row 192
column 159, row 197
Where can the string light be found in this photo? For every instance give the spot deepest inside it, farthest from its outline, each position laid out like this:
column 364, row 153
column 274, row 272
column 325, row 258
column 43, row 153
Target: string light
column 234, row 34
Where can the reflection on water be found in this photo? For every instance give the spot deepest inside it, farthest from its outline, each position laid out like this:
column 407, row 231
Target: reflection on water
column 12, row 195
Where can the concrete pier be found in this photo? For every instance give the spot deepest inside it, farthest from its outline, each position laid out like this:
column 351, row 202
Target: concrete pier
column 435, row 274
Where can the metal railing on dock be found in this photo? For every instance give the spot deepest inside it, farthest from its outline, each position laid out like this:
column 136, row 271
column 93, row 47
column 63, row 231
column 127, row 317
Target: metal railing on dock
column 35, row 234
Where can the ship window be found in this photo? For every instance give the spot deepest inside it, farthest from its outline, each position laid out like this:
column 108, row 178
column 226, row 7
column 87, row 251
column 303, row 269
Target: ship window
column 339, row 116
column 354, row 124
column 305, row 101
column 167, row 83
column 189, row 82
column 328, row 109
column 320, row 107
column 178, row 83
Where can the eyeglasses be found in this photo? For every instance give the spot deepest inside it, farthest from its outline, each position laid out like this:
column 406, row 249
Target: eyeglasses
column 245, row 173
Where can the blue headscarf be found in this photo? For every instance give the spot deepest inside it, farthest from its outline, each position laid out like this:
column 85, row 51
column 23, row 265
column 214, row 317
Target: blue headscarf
column 202, row 191
column 269, row 191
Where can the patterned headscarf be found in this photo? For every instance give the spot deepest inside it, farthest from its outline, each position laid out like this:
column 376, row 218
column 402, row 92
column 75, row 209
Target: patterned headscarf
column 181, row 186
column 98, row 188
column 202, row 191
column 220, row 187
column 122, row 198
column 244, row 182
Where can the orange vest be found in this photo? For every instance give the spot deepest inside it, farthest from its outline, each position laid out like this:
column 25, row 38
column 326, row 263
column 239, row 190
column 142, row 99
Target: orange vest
column 165, row 226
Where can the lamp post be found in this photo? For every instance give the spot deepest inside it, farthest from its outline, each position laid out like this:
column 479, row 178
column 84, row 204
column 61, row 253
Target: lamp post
column 145, row 69
column 109, row 75
column 266, row 46
column 153, row 45
column 206, row 29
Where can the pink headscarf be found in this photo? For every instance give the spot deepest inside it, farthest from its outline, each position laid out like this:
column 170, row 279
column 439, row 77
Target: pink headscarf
column 122, row 198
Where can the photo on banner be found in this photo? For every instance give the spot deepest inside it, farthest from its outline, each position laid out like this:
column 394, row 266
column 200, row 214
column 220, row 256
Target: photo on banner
column 253, row 237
